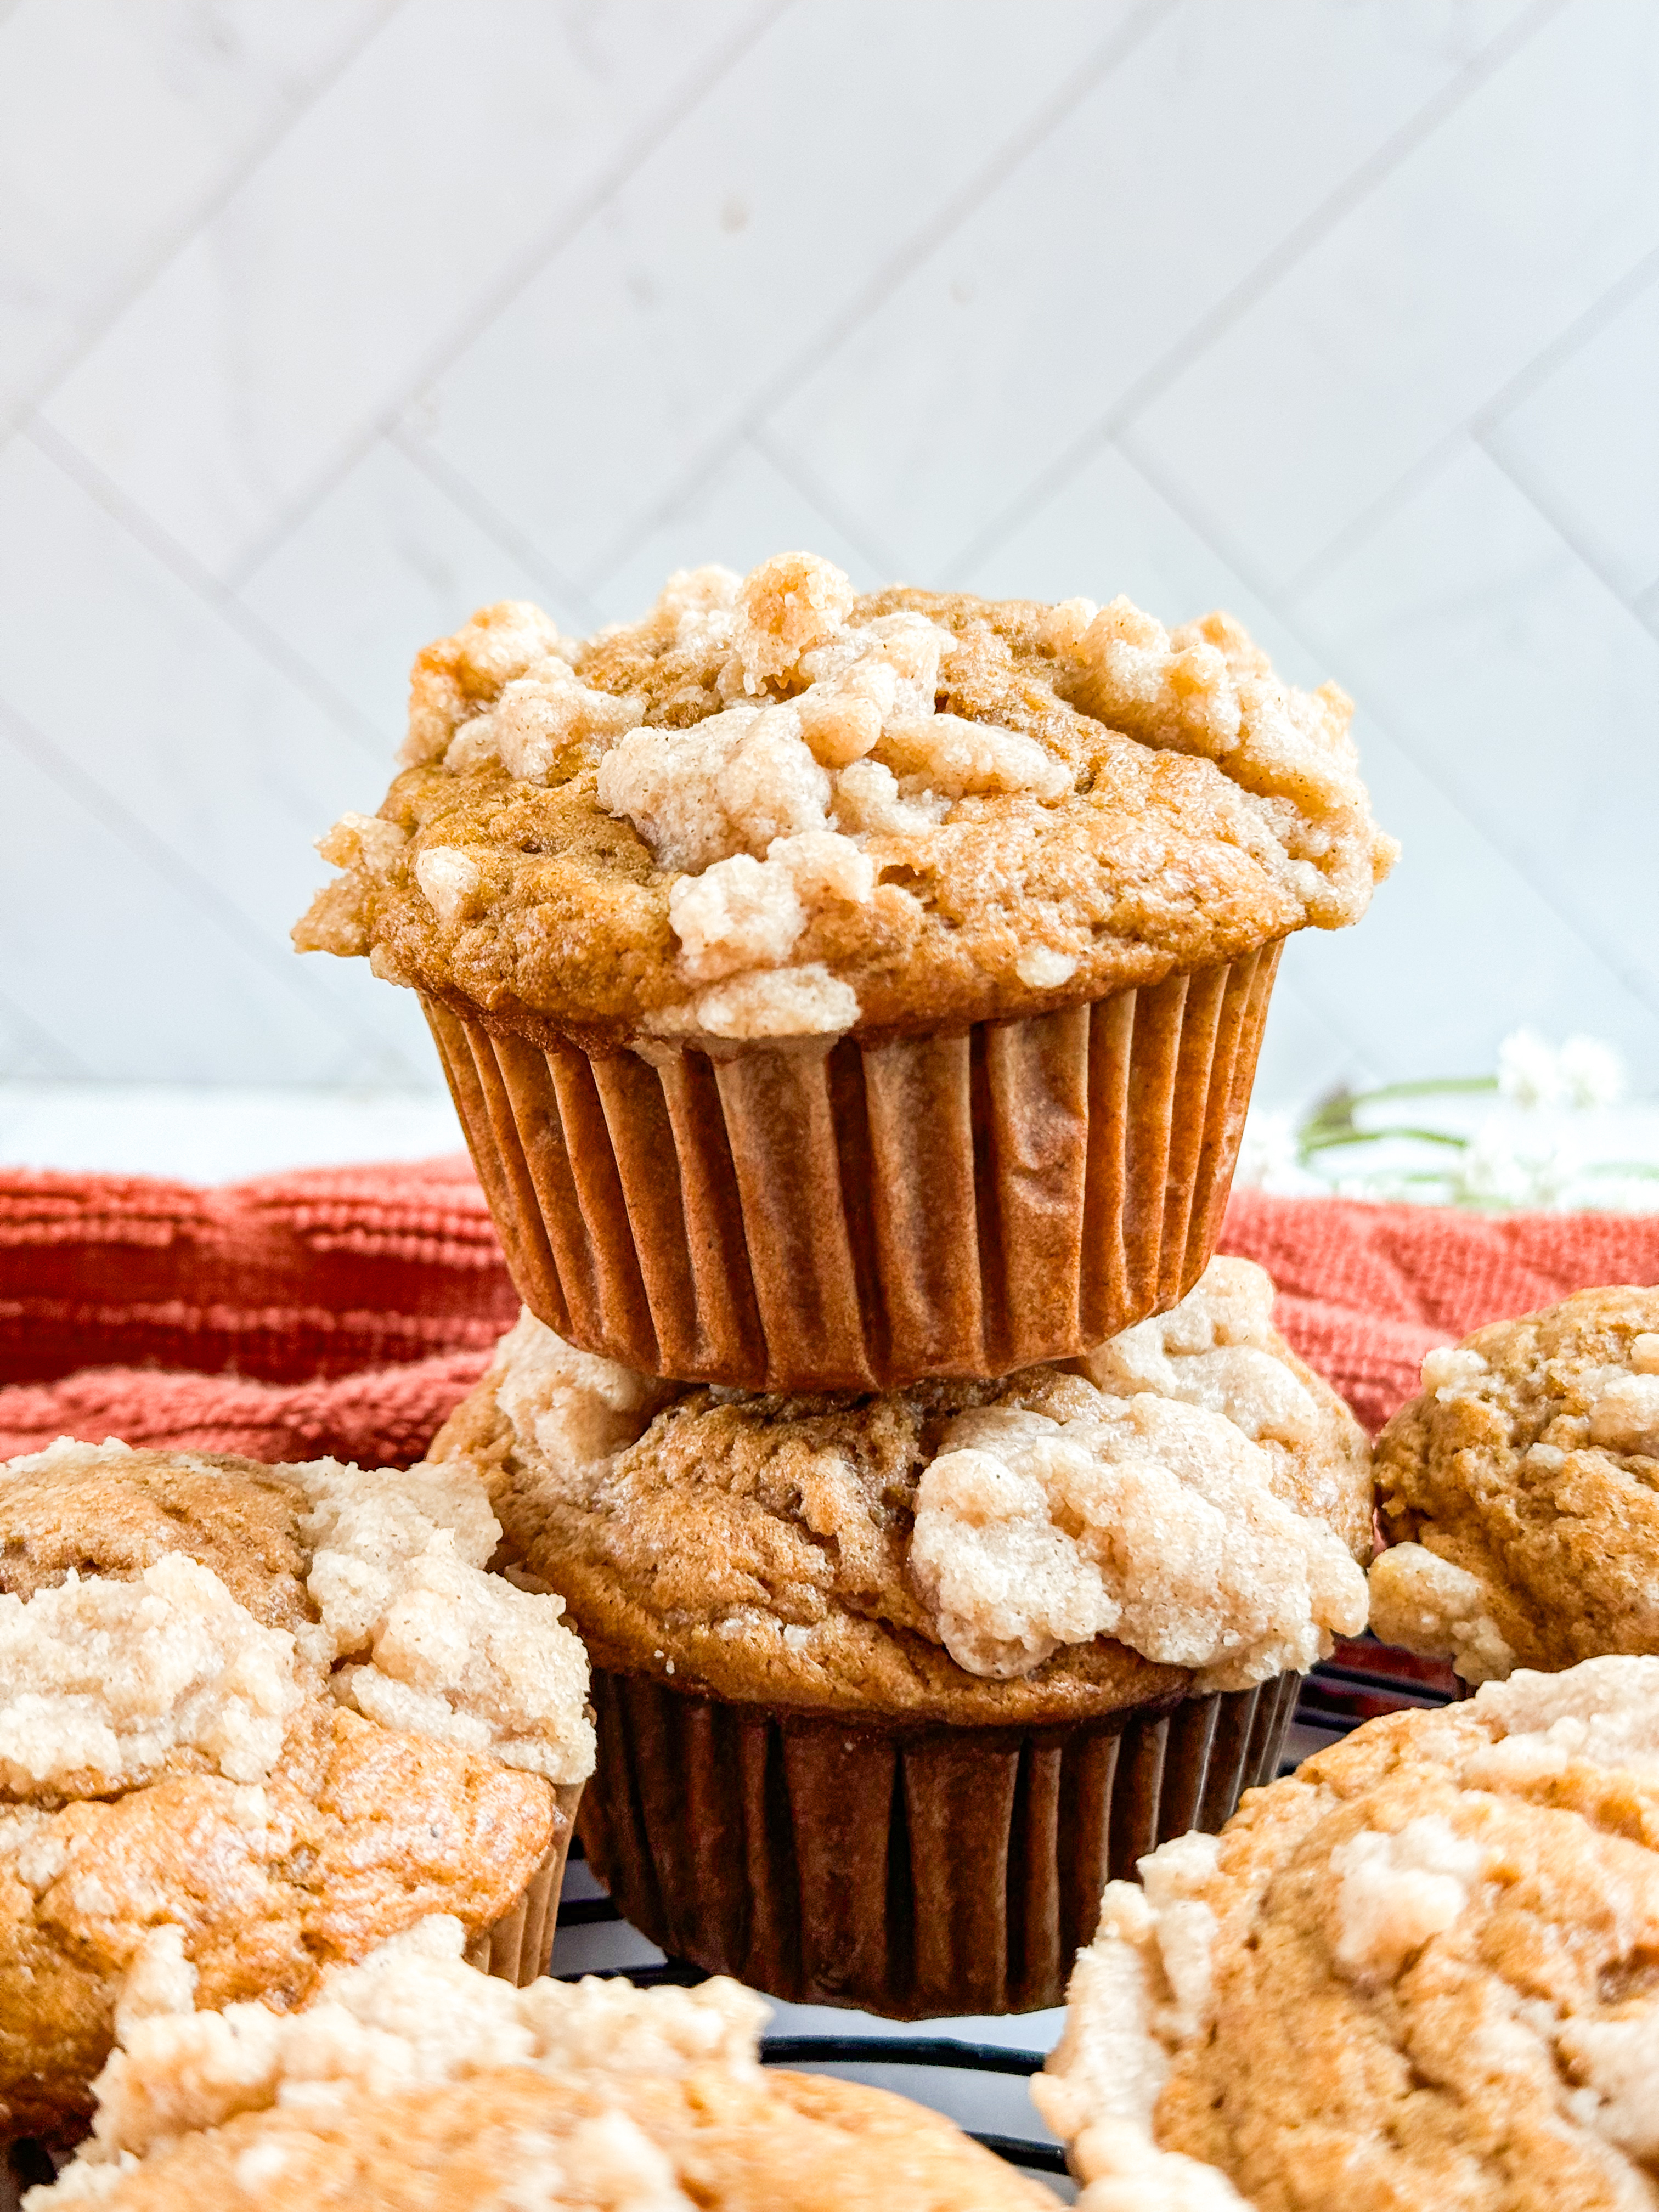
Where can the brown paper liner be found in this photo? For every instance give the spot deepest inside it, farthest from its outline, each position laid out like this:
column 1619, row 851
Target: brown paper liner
column 912, row 1872
column 519, row 1947
column 844, row 1216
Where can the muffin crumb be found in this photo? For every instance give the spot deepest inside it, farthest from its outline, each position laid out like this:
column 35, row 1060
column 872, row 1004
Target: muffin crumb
column 1518, row 1493
column 950, row 808
column 998, row 1545
column 1427, row 1966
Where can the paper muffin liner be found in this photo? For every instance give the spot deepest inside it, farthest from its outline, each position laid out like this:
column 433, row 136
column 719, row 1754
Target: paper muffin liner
column 914, row 1872
column 519, row 1947
column 846, row 1216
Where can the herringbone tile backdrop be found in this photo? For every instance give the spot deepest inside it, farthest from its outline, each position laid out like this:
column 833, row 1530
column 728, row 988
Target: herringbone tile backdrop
column 321, row 323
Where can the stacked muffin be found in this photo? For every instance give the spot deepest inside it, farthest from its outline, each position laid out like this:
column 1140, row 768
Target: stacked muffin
column 852, row 1005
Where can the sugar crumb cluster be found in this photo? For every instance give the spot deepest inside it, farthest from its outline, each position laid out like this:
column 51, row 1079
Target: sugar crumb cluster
column 1152, row 1499
column 1435, row 1868
column 106, row 1678
column 411, row 2015
column 821, row 742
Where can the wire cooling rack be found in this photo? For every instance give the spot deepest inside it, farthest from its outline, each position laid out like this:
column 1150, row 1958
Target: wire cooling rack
column 963, row 2067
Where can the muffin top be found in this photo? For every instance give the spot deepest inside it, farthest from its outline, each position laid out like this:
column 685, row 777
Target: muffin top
column 414, row 2082
column 1519, row 1492
column 775, row 808
column 1181, row 1509
column 1419, row 1972
column 280, row 1710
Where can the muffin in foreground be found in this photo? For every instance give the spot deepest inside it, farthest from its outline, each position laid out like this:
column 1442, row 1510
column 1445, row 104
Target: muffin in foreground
column 270, row 1716
column 1419, row 1972
column 411, row 2083
column 1519, row 1492
column 887, row 1685
column 837, row 990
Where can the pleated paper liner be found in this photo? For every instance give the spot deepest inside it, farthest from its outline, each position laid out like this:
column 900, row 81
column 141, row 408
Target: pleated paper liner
column 841, row 1216
column 519, row 1947
column 915, row 1872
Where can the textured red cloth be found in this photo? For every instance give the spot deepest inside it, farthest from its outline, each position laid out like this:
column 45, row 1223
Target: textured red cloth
column 346, row 1310
column 341, row 1311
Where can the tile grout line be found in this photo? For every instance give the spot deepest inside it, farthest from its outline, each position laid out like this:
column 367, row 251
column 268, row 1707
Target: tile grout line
column 297, row 107
column 42, row 1036
column 388, row 420
column 185, row 569
column 1350, row 193
column 1514, row 475
column 156, row 852
column 1313, row 1004
column 1567, row 342
column 462, row 493
column 1420, row 473
column 801, row 479
column 1481, row 422
column 931, row 234
column 1203, row 527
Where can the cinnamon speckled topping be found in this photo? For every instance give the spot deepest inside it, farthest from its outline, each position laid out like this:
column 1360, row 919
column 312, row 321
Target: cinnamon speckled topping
column 1183, row 1507
column 775, row 808
column 413, row 2083
column 1422, row 1972
column 280, row 1711
column 1520, row 1493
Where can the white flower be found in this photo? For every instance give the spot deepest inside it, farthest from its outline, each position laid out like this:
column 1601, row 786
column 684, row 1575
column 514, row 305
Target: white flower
column 1529, row 1071
column 1267, row 1153
column 1591, row 1072
column 1491, row 1172
column 1495, row 1171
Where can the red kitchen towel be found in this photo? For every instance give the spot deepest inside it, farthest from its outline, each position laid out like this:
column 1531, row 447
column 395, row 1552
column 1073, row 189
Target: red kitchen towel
column 346, row 1310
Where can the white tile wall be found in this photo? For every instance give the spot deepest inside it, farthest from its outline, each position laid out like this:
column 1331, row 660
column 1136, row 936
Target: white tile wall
column 320, row 325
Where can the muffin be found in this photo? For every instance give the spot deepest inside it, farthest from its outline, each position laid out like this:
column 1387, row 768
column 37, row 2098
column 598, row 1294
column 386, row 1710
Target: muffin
column 278, row 1714
column 1519, row 1492
column 1419, row 1973
column 839, row 990
column 887, row 1685
column 412, row 2083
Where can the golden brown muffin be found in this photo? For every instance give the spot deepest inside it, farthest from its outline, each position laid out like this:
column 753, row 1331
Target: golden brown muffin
column 1184, row 1513
column 1519, row 1492
column 276, row 1711
column 773, row 807
column 1420, row 1973
column 413, row 2084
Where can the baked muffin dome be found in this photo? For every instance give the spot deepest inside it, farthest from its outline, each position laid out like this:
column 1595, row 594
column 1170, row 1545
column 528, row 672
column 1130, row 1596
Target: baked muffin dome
column 278, row 1711
column 1186, row 1512
column 413, row 2083
column 1519, row 1492
column 775, row 807
column 1419, row 1972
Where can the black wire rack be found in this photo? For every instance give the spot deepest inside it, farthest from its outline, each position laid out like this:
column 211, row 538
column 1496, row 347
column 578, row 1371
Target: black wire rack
column 1361, row 1681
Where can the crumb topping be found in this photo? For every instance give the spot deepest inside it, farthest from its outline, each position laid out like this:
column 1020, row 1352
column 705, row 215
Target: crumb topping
column 100, row 1681
column 411, row 2015
column 1207, row 689
column 1147, row 1520
column 1427, row 1974
column 1520, row 1493
column 950, row 1535
column 103, row 1679
column 280, row 1710
column 771, row 777
column 412, row 2079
